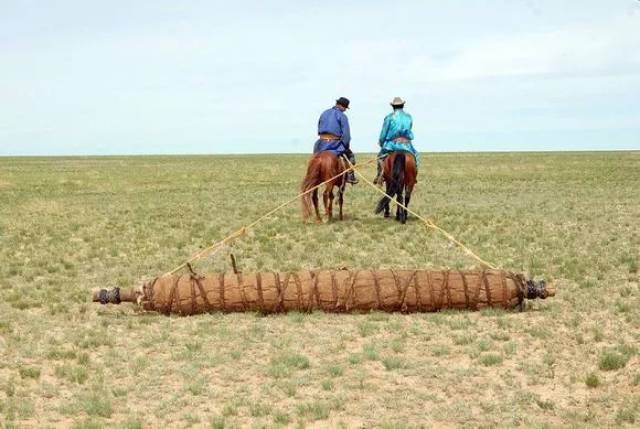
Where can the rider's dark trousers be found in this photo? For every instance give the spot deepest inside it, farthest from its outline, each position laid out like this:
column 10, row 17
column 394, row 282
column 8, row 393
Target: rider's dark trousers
column 350, row 156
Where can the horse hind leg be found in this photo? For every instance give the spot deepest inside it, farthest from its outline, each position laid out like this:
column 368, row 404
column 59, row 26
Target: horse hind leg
column 325, row 201
column 399, row 209
column 407, row 198
column 314, row 199
column 328, row 195
column 383, row 204
column 340, row 200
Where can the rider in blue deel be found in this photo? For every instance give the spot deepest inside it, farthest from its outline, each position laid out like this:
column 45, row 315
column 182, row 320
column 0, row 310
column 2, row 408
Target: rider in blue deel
column 396, row 135
column 334, row 134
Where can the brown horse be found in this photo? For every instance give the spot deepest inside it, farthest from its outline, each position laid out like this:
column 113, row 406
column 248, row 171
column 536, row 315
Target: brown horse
column 400, row 176
column 322, row 167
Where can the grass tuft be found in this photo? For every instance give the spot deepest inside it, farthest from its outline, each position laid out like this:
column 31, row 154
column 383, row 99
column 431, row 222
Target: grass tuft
column 393, row 362
column 97, row 404
column 29, row 372
column 283, row 364
column 611, row 360
column 592, row 380
column 217, row 422
column 490, row 359
column 281, row 418
column 316, row 410
column 73, row 373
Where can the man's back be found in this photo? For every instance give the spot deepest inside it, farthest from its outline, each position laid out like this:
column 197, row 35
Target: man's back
column 397, row 124
column 333, row 121
column 334, row 134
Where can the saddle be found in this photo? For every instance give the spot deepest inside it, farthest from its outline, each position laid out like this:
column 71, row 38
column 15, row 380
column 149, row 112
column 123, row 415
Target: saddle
column 379, row 179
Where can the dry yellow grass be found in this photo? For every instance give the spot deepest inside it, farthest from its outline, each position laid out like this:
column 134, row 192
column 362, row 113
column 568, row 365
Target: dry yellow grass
column 70, row 224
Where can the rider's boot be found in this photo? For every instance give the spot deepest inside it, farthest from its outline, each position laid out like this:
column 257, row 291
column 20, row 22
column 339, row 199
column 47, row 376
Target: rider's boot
column 351, row 175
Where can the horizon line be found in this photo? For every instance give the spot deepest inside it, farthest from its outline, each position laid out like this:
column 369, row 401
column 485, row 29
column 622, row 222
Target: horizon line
column 95, row 155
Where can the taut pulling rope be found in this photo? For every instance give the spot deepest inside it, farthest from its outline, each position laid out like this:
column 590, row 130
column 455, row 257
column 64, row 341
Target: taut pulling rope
column 428, row 222
column 216, row 247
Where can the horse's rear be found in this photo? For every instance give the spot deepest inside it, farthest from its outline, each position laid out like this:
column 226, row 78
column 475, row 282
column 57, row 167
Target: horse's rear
column 322, row 167
column 400, row 172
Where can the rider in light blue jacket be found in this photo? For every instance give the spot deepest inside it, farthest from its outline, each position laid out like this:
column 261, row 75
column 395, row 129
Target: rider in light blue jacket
column 396, row 134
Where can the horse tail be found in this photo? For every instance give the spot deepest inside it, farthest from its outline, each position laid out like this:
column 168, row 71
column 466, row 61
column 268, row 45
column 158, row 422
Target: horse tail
column 381, row 204
column 396, row 183
column 397, row 174
column 311, row 179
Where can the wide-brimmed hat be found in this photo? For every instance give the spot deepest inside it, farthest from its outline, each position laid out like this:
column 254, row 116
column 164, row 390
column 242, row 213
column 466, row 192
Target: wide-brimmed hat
column 397, row 101
column 344, row 102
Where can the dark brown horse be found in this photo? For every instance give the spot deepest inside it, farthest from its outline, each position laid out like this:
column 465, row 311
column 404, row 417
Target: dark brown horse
column 400, row 177
column 322, row 167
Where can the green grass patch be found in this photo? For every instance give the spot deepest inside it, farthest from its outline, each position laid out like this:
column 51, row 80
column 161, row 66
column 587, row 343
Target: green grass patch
column 366, row 328
column 281, row 418
column 592, row 380
column 97, row 404
column 73, row 373
column 393, row 362
column 335, row 370
column 315, row 410
column 258, row 409
column 29, row 372
column 284, row 364
column 370, row 352
column 217, row 422
column 490, row 359
column 611, row 360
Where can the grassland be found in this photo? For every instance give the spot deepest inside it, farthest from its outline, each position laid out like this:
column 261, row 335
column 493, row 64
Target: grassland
column 71, row 224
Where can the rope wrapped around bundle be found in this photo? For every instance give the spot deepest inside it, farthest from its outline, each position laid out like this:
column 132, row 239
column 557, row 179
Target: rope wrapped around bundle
column 331, row 291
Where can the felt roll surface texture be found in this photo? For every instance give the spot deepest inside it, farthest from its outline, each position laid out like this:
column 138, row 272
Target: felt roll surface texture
column 335, row 291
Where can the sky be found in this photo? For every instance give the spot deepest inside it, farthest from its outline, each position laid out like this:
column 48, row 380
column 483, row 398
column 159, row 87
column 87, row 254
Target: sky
column 212, row 77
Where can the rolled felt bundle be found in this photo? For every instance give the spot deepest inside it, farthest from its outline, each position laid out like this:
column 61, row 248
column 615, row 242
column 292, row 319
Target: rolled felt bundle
column 337, row 291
